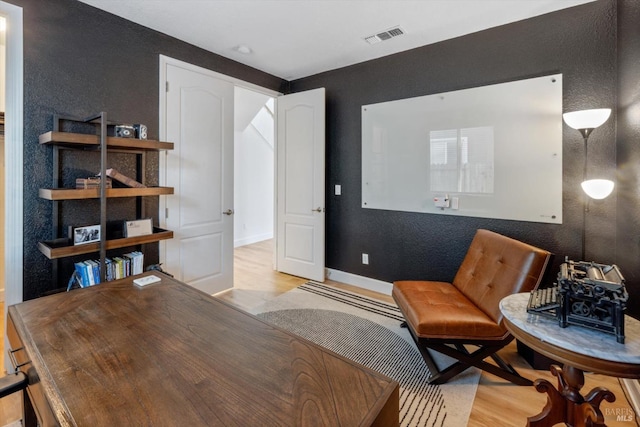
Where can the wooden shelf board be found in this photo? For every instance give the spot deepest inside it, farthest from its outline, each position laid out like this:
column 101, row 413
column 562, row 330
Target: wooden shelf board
column 94, row 193
column 62, row 248
column 81, row 140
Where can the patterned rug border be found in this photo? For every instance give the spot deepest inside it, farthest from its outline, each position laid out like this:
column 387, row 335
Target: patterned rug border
column 368, row 304
column 415, row 410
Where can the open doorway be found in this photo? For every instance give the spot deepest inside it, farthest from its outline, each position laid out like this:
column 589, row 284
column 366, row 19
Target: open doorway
column 254, row 181
column 263, row 127
column 254, row 166
column 254, row 276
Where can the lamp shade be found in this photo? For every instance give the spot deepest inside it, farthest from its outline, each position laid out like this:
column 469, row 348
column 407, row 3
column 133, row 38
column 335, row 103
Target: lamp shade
column 598, row 188
column 587, row 119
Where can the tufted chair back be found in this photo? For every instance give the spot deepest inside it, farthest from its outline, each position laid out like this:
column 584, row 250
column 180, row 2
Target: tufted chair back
column 496, row 266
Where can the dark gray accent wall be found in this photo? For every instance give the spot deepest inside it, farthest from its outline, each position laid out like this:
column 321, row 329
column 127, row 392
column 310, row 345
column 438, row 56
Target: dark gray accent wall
column 78, row 61
column 628, row 146
column 579, row 42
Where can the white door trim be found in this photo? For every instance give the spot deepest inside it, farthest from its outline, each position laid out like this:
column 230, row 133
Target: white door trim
column 162, row 167
column 14, row 141
column 13, row 236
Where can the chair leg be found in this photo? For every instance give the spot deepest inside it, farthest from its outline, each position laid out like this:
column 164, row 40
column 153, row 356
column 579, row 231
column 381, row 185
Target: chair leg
column 476, row 358
column 465, row 360
column 431, row 364
column 437, row 376
column 444, row 375
column 508, row 372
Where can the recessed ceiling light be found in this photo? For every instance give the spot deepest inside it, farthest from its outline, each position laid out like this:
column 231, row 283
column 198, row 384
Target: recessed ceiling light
column 243, row 49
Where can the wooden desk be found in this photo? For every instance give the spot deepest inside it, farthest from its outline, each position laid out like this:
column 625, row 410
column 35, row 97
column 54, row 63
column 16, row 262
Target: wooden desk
column 579, row 349
column 167, row 355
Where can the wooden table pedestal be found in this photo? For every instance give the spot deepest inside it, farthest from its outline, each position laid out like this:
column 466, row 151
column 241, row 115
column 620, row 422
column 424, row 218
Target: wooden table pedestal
column 580, row 350
column 565, row 404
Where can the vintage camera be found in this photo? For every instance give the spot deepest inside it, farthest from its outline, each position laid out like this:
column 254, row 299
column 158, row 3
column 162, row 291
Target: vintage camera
column 141, row 131
column 124, row 131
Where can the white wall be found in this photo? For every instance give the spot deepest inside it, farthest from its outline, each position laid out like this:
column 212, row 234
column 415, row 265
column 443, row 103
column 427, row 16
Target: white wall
column 253, row 168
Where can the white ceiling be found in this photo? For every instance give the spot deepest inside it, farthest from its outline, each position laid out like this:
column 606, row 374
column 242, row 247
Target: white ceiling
column 297, row 38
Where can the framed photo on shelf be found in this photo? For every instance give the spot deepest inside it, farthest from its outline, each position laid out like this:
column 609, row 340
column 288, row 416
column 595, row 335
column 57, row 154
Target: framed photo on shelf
column 87, row 234
column 138, row 227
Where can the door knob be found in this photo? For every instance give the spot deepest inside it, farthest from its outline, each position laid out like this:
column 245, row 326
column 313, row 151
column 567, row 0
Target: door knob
column 318, row 209
column 228, row 212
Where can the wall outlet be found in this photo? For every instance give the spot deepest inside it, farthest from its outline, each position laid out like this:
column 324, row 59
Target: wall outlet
column 441, row 201
column 338, row 190
column 455, row 203
column 365, row 258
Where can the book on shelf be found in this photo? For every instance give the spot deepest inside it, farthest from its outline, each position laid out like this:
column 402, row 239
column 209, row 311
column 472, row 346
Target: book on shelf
column 74, row 280
column 94, row 266
column 87, row 273
column 129, row 182
column 118, row 266
column 92, row 182
column 81, row 270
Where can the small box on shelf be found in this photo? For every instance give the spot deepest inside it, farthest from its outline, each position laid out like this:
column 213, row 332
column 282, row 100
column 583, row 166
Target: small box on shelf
column 138, row 227
column 86, row 234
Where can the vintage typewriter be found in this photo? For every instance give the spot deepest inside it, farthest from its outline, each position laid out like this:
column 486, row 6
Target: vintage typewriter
column 544, row 300
column 586, row 294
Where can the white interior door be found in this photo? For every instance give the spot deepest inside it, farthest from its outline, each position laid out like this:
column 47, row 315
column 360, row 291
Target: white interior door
column 199, row 121
column 300, row 184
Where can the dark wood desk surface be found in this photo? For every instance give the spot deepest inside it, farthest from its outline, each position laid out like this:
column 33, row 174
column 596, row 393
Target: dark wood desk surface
column 167, row 354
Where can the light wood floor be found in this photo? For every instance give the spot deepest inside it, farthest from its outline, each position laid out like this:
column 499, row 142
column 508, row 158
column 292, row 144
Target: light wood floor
column 497, row 403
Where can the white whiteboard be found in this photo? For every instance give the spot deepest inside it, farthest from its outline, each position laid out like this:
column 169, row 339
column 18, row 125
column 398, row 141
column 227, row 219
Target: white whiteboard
column 493, row 151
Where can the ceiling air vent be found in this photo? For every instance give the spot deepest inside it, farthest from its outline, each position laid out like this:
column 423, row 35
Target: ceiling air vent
column 384, row 35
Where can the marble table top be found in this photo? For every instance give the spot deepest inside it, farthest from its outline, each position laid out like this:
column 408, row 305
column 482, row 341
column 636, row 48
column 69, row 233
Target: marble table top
column 578, row 339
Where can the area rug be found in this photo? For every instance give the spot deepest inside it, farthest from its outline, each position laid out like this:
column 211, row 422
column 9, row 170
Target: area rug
column 368, row 331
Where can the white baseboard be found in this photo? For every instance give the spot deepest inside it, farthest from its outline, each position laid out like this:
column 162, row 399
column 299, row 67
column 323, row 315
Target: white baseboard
column 360, row 281
column 252, row 239
column 631, row 388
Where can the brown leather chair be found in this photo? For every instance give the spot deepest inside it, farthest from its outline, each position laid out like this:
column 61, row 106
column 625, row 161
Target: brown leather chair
column 451, row 317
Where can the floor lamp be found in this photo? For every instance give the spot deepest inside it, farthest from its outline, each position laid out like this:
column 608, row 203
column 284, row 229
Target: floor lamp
column 585, row 121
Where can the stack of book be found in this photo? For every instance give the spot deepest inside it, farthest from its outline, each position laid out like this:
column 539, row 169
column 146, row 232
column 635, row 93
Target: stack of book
column 91, row 182
column 87, row 273
column 124, row 266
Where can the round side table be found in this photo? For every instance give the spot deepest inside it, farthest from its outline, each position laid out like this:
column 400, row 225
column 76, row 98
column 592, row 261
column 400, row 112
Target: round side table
column 579, row 349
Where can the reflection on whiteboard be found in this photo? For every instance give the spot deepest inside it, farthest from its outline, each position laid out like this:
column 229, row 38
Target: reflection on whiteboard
column 462, row 160
column 492, row 151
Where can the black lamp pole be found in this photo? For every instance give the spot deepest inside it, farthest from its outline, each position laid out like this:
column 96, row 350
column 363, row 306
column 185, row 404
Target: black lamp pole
column 585, row 136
